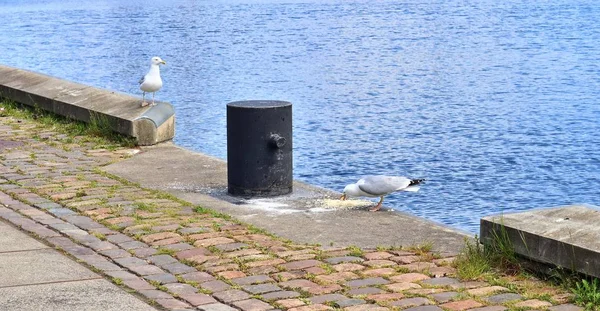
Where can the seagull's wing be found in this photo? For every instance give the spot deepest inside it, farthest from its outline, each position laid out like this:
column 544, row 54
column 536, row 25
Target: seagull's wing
column 382, row 185
column 142, row 80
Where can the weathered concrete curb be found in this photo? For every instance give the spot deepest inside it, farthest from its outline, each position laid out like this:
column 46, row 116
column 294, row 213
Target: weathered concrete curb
column 121, row 112
column 566, row 236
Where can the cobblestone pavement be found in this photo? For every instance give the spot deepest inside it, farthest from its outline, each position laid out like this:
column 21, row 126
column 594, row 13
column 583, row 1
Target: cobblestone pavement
column 183, row 257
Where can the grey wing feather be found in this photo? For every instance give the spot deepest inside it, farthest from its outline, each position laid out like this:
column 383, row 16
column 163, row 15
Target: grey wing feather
column 381, row 185
column 142, row 80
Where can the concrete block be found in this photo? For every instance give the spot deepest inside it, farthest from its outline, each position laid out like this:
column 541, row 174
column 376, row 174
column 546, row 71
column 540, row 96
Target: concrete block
column 121, row 112
column 12, row 239
column 567, row 237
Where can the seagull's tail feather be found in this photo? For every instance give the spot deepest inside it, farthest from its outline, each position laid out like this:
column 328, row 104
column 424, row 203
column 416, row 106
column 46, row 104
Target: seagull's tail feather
column 413, row 186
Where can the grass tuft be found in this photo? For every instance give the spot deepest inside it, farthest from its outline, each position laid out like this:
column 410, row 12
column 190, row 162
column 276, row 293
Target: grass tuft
column 587, row 294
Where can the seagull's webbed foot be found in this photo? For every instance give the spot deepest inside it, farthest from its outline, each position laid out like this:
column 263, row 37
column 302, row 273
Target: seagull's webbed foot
column 377, row 207
column 144, row 104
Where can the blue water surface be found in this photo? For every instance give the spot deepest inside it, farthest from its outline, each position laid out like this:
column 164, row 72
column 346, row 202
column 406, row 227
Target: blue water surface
column 495, row 103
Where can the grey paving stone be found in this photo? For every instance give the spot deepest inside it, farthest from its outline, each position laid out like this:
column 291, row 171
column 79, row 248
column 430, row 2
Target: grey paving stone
column 178, row 268
column 425, row 308
column 502, row 298
column 197, row 276
column 365, row 291
column 231, row 246
column 146, row 270
column 444, row 297
column 231, row 295
column 254, row 279
column 216, row 307
column 161, row 260
column 215, row 286
column 440, row 281
column 252, row 304
column 180, row 288
column 261, row 288
column 327, row 298
column 161, row 278
column 132, row 245
column 566, row 307
column 367, row 282
column 130, row 262
column 349, row 302
column 280, row 295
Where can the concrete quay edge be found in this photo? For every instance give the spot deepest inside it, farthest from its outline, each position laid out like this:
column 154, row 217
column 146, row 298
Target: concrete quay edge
column 121, row 112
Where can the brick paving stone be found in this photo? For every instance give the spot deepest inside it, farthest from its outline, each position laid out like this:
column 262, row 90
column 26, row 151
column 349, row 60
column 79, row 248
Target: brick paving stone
column 490, row 308
column 215, row 286
column 286, row 276
column 254, row 279
column 411, row 302
column 198, row 277
column 252, row 305
column 444, row 296
column 343, row 259
column 159, row 236
column 216, row 307
column 483, row 291
column 502, row 298
column 566, row 307
column 336, row 277
column 379, row 263
column 379, row 272
column 409, row 277
column 327, row 298
column 231, row 295
column 365, row 307
column 385, row 297
column 300, row 283
column 320, row 290
column 365, row 291
column 461, row 305
column 280, row 295
column 440, row 281
column 424, row 308
column 105, row 266
column 289, row 303
column 231, row 274
column 423, row 291
column 367, row 282
column 162, row 278
column 243, row 252
column 180, row 288
column 137, row 284
column 533, row 303
column 177, row 246
column 199, row 251
column 172, row 303
column 377, row 255
column 438, row 272
column 348, row 267
column 315, row 270
column 301, row 257
column 298, row 265
column 406, row 259
column 231, row 246
column 349, row 302
column 399, row 287
column 272, row 262
column 166, row 242
column 318, row 307
column 197, row 299
column 213, row 241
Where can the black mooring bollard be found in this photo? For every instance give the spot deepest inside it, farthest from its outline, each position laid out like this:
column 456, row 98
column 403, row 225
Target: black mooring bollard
column 259, row 148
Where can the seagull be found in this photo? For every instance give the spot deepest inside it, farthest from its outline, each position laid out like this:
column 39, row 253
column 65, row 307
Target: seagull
column 380, row 186
column 151, row 82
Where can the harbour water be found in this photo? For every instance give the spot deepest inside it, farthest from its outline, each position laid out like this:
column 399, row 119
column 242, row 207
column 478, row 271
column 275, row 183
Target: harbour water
column 495, row 103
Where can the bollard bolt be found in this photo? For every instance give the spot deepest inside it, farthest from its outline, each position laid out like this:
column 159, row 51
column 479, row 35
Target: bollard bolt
column 276, row 141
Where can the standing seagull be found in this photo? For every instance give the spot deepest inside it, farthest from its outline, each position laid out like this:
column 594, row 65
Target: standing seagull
column 379, row 186
column 152, row 82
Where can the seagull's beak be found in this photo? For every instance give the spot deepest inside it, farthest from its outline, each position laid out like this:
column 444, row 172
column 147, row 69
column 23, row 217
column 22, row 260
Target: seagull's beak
column 163, row 62
column 343, row 197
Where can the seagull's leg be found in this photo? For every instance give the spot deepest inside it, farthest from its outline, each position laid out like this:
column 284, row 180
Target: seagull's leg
column 144, row 103
column 378, row 206
column 153, row 104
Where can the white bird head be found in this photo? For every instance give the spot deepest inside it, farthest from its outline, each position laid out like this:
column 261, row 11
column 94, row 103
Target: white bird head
column 351, row 190
column 157, row 61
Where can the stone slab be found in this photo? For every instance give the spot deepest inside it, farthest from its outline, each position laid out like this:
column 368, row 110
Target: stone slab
column 90, row 295
column 12, row 239
column 121, row 112
column 32, row 267
column 566, row 236
column 300, row 216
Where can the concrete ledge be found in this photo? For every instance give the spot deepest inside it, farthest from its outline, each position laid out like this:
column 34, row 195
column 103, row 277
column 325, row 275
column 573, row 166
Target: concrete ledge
column 567, row 237
column 121, row 112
